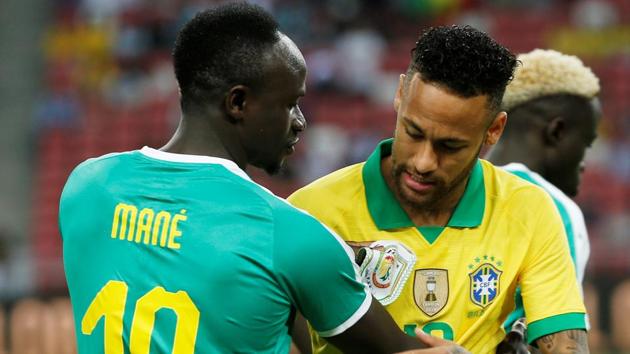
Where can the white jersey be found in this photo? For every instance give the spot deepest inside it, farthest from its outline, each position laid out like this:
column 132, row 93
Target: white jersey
column 572, row 217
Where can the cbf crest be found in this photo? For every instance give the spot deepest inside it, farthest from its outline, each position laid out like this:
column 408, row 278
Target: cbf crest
column 430, row 290
column 484, row 284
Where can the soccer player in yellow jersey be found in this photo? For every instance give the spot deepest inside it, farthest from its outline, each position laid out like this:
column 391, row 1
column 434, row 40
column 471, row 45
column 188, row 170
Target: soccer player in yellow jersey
column 443, row 237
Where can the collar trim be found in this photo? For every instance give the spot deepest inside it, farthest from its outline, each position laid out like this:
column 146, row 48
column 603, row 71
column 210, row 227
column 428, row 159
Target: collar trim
column 193, row 159
column 387, row 212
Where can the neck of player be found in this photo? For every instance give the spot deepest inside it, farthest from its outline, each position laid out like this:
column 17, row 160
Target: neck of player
column 207, row 135
column 519, row 151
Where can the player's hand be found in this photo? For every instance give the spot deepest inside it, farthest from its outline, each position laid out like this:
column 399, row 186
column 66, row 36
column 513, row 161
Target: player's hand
column 435, row 345
column 515, row 342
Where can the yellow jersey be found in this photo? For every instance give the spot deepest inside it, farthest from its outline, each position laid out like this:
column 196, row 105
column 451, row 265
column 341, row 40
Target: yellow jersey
column 504, row 232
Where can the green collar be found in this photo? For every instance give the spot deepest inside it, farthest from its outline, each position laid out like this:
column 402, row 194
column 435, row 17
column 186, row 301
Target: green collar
column 388, row 214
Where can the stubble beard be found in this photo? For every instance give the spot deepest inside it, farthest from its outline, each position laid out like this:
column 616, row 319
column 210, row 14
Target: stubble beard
column 440, row 194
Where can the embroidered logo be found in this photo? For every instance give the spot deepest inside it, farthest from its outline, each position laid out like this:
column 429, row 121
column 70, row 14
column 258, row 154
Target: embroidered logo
column 484, row 284
column 430, row 290
column 386, row 266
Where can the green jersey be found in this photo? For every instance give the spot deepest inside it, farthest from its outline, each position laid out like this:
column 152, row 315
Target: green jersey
column 170, row 253
column 574, row 226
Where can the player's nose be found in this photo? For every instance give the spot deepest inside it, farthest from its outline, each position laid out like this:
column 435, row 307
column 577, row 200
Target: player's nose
column 299, row 121
column 425, row 160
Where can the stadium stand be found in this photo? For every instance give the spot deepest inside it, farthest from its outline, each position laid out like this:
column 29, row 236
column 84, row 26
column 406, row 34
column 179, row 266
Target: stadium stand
column 108, row 87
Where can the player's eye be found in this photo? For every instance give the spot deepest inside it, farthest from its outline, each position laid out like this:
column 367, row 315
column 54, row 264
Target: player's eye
column 448, row 147
column 415, row 134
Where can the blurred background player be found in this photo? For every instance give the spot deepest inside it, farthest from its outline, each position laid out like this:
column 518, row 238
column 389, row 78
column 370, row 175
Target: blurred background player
column 554, row 110
column 446, row 237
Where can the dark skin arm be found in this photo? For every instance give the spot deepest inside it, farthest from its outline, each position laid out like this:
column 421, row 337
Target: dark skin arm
column 376, row 332
column 300, row 335
column 302, row 340
column 570, row 342
column 436, row 344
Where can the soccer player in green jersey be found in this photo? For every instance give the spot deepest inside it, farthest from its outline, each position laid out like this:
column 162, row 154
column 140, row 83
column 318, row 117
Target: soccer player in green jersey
column 177, row 250
column 445, row 238
column 554, row 109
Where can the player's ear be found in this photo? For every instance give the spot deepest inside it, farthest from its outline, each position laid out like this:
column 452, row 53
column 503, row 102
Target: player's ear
column 235, row 102
column 555, row 131
column 495, row 129
column 399, row 92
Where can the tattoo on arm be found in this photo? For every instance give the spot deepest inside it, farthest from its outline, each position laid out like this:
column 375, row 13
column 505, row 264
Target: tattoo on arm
column 547, row 341
column 569, row 342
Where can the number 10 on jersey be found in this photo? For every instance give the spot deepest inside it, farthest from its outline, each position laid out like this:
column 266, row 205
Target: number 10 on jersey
column 110, row 304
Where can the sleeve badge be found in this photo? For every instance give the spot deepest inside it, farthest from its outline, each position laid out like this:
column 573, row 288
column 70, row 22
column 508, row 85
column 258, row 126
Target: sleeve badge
column 385, row 266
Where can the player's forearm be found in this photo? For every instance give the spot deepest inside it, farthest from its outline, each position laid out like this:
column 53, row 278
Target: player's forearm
column 570, row 342
column 300, row 335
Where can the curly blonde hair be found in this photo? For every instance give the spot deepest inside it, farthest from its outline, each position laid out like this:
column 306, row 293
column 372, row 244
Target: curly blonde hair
column 548, row 72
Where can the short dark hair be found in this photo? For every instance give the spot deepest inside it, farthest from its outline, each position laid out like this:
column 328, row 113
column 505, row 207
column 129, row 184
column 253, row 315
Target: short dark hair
column 465, row 61
column 222, row 47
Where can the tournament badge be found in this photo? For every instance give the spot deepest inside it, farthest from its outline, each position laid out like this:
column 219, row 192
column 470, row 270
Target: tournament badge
column 385, row 268
column 430, row 290
column 484, row 284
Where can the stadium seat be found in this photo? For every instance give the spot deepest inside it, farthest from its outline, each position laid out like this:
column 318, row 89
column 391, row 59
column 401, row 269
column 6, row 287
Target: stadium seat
column 3, row 348
column 58, row 327
column 25, row 327
column 620, row 316
column 63, row 327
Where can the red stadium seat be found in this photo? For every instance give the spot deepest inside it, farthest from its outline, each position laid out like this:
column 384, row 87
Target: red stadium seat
column 25, row 327
column 620, row 316
column 58, row 335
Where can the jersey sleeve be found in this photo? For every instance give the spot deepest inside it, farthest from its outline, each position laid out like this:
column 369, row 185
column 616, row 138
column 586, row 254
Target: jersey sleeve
column 303, row 199
column 318, row 271
column 551, row 296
